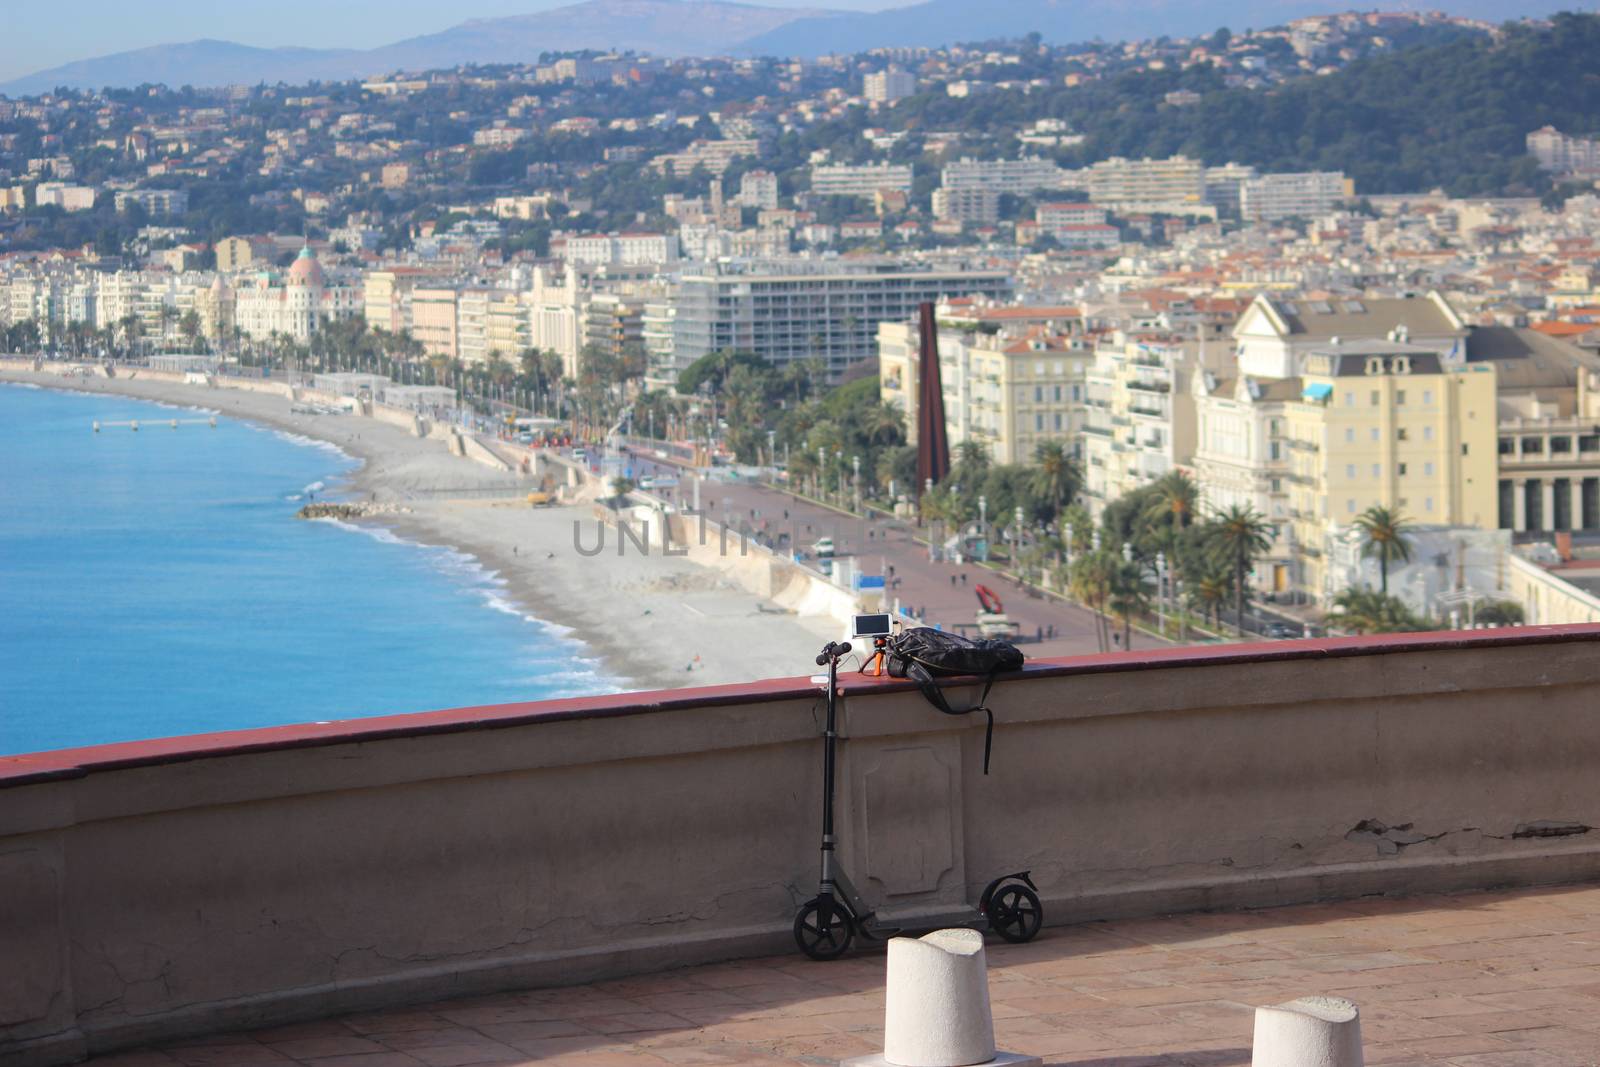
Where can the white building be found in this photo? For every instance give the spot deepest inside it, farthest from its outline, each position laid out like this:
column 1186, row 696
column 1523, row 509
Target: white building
column 636, row 248
column 1282, row 196
column 967, row 205
column 758, row 189
column 157, row 203
column 1174, row 186
column 887, row 86
column 1562, row 154
column 1016, row 176
column 842, row 179
column 293, row 306
column 66, row 197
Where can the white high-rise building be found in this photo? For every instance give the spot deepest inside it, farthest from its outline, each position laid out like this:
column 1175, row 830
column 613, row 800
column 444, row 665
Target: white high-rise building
column 842, row 179
column 758, row 189
column 1282, row 196
column 887, row 86
column 1018, row 176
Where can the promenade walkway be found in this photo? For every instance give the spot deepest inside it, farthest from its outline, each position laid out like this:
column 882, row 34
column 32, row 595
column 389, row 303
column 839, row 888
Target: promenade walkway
column 1506, row 979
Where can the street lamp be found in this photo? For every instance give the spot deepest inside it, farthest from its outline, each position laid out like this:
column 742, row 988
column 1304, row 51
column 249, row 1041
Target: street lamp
column 855, row 464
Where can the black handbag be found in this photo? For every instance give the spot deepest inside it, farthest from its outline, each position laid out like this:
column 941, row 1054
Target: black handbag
column 924, row 654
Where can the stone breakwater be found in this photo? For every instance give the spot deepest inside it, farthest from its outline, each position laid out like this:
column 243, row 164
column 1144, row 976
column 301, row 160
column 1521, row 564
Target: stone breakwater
column 361, row 510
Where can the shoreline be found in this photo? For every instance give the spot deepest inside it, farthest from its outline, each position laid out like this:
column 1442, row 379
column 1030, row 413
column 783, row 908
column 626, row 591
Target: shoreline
column 644, row 619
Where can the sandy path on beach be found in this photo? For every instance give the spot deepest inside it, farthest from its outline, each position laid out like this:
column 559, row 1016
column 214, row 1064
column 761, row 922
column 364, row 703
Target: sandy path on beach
column 646, row 616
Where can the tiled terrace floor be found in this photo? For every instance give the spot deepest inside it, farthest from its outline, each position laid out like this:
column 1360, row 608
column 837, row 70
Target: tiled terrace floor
column 1485, row 980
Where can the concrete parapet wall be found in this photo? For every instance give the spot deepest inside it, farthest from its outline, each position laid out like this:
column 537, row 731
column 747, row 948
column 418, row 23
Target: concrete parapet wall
column 167, row 887
column 400, row 417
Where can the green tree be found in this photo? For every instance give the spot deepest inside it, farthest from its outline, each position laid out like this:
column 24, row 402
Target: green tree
column 1055, row 478
column 1385, row 536
column 1239, row 535
column 1363, row 611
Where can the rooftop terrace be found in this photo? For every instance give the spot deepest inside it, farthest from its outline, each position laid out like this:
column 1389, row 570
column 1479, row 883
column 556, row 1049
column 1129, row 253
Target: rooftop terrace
column 266, row 882
column 1509, row 979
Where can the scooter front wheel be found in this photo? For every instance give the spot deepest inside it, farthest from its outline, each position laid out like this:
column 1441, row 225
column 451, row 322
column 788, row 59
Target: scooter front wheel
column 823, row 929
column 1015, row 913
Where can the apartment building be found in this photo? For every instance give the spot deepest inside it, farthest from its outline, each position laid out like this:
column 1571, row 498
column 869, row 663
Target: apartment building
column 1548, row 452
column 1281, row 196
column 434, row 320
column 970, row 205
column 758, row 189
column 1012, row 376
column 636, row 248
column 714, row 156
column 1139, row 412
column 614, row 324
column 1383, row 423
column 1174, row 186
column 887, row 86
column 1562, row 154
column 157, row 203
column 1020, row 177
column 843, row 179
column 787, row 310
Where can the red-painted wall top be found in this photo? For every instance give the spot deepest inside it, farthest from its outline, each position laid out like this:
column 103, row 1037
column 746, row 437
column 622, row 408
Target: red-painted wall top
column 76, row 762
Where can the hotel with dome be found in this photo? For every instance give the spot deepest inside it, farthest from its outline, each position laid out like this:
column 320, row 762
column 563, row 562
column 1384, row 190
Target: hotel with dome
column 291, row 304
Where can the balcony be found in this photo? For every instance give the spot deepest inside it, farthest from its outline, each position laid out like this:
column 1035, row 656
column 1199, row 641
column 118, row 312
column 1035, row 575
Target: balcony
column 244, row 881
column 1151, row 387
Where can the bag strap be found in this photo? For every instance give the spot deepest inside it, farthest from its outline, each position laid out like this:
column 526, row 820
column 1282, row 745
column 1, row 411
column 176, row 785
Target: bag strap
column 935, row 694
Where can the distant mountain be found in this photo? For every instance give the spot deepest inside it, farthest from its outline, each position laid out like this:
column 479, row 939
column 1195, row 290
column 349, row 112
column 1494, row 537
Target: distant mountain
column 941, row 22
column 660, row 27
column 702, row 27
column 200, row 63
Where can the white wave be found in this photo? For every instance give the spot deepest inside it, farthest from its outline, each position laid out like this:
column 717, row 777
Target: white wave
column 315, row 487
column 311, row 442
column 22, row 385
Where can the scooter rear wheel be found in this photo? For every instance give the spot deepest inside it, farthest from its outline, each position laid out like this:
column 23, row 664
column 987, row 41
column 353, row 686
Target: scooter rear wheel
column 1015, row 913
column 823, row 930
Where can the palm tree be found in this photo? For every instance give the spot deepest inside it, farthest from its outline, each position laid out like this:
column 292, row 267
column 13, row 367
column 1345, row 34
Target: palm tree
column 1364, row 612
column 1128, row 598
column 1210, row 593
column 1239, row 535
column 1090, row 579
column 1385, row 535
column 1056, row 476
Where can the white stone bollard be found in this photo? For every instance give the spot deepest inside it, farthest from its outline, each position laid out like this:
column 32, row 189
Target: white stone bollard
column 937, row 1012
column 1308, row 1032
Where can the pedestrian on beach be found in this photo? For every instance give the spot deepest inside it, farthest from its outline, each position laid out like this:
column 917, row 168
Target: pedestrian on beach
column 963, row 577
column 952, row 581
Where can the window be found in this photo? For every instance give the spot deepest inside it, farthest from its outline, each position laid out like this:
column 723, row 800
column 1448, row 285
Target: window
column 1400, row 433
column 1350, row 399
column 1038, row 422
column 1350, row 507
column 1277, row 485
column 1058, row 421
column 1427, row 433
column 1058, row 394
column 1276, row 450
column 1377, row 471
column 1427, row 504
column 1375, row 395
column 1400, row 398
column 1402, row 470
column 1374, row 432
column 1350, row 434
column 1427, row 397
column 1464, row 450
column 1038, row 370
column 1350, row 470
column 1507, row 446
column 1532, row 445
column 1560, row 444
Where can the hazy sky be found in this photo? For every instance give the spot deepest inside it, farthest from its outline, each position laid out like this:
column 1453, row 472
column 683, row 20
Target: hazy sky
column 37, row 36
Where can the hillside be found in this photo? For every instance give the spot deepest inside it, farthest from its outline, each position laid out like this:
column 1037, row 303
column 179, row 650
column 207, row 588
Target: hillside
column 1452, row 115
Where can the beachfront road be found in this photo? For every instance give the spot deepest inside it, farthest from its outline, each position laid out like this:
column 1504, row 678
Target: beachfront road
column 944, row 593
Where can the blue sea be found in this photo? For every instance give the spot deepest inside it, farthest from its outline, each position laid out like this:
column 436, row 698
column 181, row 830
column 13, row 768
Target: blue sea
column 157, row 583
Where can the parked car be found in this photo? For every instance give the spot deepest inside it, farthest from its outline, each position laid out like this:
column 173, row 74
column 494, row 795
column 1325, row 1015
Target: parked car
column 1282, row 631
